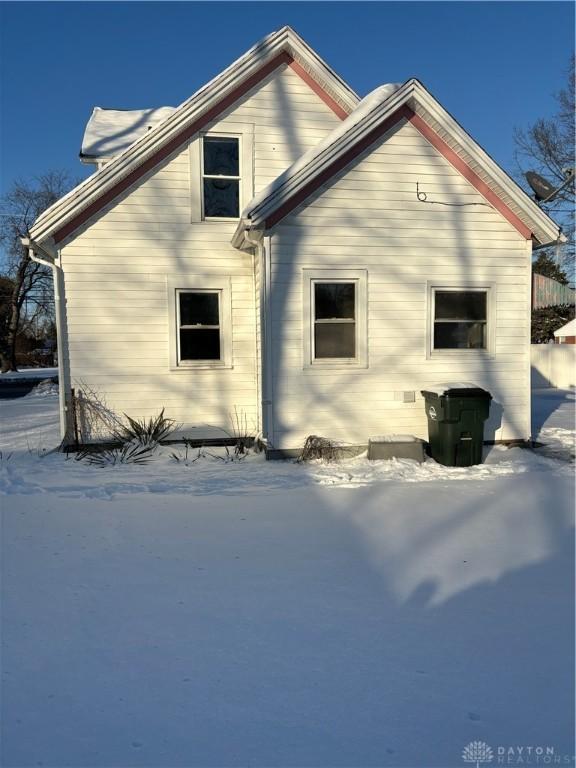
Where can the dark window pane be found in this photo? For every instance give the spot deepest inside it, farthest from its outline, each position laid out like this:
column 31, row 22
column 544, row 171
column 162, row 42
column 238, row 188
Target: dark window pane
column 220, row 157
column 221, row 198
column 201, row 344
column 334, row 300
column 460, row 335
column 334, row 340
column 199, row 309
column 460, row 305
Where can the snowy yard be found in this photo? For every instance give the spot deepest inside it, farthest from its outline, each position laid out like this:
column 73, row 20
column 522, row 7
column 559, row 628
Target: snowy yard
column 273, row 614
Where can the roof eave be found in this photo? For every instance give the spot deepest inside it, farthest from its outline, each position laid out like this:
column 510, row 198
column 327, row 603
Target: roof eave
column 545, row 227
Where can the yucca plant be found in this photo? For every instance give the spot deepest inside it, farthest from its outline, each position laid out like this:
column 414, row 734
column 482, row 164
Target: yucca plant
column 130, row 453
column 145, row 432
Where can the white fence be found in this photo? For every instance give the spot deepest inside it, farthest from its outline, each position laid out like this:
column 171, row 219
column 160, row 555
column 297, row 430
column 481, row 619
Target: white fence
column 553, row 365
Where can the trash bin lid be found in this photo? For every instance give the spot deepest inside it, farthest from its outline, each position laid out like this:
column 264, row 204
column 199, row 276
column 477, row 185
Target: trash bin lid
column 457, row 389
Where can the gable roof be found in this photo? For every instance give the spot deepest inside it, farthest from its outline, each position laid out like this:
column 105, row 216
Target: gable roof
column 373, row 118
column 109, row 132
column 567, row 330
column 281, row 47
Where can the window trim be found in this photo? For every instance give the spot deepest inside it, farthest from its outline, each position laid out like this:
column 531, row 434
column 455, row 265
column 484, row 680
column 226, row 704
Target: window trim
column 244, row 132
column 309, row 279
column 458, row 286
column 199, row 284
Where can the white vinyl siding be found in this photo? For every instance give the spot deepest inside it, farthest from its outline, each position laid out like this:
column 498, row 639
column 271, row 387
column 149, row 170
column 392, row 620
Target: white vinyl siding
column 369, row 218
column 116, row 268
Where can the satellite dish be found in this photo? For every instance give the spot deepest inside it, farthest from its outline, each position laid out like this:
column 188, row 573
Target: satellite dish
column 542, row 189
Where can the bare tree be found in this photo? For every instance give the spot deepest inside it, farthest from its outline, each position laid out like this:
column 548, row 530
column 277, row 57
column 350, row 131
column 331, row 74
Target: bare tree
column 547, row 147
column 26, row 285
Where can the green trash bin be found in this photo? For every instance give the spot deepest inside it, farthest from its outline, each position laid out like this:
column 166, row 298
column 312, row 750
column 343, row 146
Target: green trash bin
column 456, row 416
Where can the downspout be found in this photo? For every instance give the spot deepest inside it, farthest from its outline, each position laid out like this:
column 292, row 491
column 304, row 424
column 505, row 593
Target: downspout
column 51, row 259
column 528, row 374
column 256, row 240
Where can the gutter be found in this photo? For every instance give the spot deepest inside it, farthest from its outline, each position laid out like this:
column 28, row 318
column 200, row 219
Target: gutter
column 45, row 255
column 240, row 239
column 561, row 240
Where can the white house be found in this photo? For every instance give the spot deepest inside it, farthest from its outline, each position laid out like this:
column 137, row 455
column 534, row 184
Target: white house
column 276, row 246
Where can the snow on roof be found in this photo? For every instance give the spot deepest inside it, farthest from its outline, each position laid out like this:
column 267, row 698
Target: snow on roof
column 567, row 330
column 369, row 103
column 111, row 131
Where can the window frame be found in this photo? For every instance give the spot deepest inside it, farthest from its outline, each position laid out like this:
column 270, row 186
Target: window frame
column 180, row 326
column 204, row 176
column 199, row 284
column 461, row 287
column 244, row 132
column 312, row 277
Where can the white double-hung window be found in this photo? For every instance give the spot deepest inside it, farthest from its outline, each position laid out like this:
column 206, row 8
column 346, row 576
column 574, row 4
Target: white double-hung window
column 221, row 173
column 335, row 306
column 221, row 180
column 460, row 318
column 199, row 325
column 335, row 318
column 200, row 330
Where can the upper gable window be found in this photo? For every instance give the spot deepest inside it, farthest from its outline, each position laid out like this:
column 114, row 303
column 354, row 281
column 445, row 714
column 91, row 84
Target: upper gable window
column 221, row 177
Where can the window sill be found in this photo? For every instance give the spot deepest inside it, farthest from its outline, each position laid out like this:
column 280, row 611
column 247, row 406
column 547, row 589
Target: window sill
column 341, row 364
column 220, row 219
column 200, row 366
column 459, row 353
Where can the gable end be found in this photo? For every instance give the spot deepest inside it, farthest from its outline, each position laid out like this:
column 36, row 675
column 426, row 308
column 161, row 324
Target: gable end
column 283, row 58
column 403, row 113
column 462, row 167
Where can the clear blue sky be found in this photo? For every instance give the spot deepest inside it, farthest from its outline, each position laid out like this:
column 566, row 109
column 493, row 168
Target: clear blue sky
column 493, row 65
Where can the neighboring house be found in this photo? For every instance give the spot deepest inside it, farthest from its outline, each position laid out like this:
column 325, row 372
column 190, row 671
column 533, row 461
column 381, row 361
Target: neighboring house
column 566, row 334
column 278, row 247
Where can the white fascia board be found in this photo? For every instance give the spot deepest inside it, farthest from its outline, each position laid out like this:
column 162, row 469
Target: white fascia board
column 548, row 227
column 210, row 94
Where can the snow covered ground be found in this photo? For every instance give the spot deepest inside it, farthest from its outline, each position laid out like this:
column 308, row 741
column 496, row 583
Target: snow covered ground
column 29, row 373
column 273, row 614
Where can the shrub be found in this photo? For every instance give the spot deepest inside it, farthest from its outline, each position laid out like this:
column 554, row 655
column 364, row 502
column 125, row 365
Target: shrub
column 319, row 448
column 547, row 320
